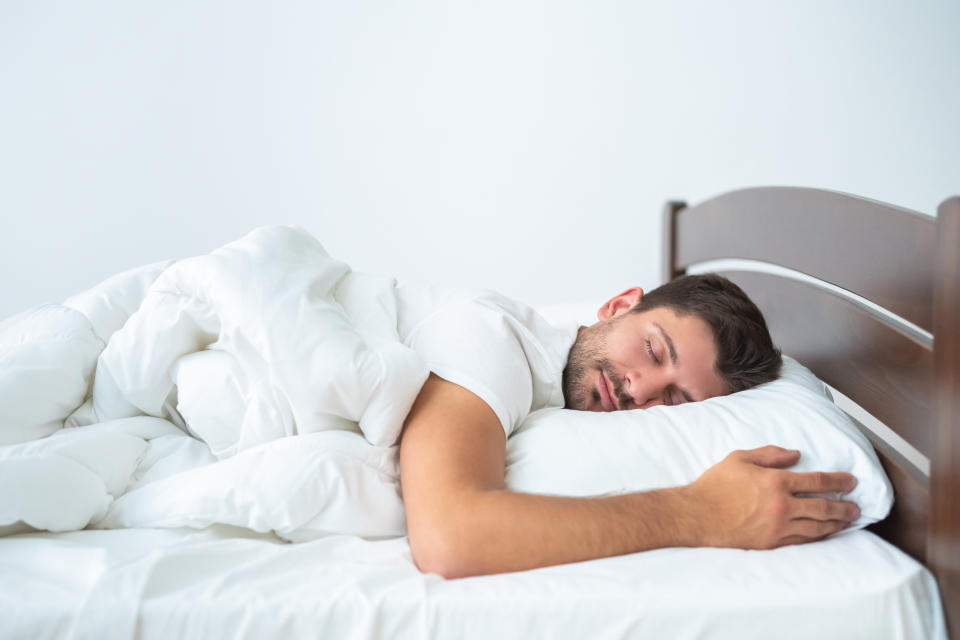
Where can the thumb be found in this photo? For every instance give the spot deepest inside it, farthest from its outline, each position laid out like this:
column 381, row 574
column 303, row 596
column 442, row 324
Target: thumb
column 772, row 456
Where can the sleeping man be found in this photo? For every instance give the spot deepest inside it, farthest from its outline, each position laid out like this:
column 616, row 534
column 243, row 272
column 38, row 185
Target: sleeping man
column 492, row 362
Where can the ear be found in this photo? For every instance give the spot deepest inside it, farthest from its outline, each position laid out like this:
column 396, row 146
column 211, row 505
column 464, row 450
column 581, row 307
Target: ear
column 620, row 303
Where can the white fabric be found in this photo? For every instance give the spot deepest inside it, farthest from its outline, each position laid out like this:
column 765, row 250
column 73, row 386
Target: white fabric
column 47, row 357
column 301, row 488
column 226, row 583
column 110, row 303
column 211, row 398
column 303, row 344
column 264, row 338
column 312, row 340
column 499, row 349
column 68, row 480
column 269, row 337
column 577, row 453
column 143, row 472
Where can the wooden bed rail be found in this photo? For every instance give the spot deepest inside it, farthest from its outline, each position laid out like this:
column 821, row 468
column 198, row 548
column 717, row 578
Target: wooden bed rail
column 943, row 553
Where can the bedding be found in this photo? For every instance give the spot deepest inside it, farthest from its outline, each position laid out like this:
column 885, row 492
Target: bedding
column 577, row 453
column 315, row 343
column 206, row 493
column 227, row 362
column 226, row 582
column 145, row 472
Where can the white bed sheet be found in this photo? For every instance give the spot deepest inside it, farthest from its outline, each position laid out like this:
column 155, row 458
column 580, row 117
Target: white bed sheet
column 229, row 582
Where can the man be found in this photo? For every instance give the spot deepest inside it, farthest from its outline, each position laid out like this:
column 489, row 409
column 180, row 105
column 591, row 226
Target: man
column 694, row 338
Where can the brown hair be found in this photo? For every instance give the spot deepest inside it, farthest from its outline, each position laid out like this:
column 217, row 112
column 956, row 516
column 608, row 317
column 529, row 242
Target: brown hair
column 746, row 356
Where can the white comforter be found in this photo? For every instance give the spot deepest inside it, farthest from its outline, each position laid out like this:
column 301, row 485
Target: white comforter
column 165, row 397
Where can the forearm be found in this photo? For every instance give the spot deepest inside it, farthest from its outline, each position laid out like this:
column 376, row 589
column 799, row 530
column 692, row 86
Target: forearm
column 497, row 531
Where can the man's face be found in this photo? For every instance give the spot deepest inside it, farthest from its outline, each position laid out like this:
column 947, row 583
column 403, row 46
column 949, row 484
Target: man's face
column 640, row 360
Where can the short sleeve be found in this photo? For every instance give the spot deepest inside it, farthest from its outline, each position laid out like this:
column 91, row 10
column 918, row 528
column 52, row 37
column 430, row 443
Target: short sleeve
column 476, row 346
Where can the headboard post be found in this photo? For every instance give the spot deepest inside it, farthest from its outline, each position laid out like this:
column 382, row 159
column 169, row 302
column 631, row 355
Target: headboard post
column 669, row 233
column 943, row 546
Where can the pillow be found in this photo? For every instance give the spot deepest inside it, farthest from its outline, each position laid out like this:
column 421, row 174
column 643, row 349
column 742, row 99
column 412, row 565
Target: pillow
column 577, row 453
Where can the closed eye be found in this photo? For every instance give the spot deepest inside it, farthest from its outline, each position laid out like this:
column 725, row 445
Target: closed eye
column 653, row 356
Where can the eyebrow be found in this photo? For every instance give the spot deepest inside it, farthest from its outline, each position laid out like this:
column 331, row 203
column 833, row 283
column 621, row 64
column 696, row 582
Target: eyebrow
column 673, row 358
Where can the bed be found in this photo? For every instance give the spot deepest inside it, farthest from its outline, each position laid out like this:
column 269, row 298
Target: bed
column 897, row 580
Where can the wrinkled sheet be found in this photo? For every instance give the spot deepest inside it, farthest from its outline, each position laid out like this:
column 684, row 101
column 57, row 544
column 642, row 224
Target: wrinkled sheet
column 228, row 583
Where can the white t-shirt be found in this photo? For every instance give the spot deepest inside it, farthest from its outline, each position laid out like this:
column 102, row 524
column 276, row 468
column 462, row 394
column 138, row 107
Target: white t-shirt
column 499, row 349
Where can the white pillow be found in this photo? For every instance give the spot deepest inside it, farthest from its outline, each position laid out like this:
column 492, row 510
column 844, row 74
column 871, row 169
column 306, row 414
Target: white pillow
column 577, row 453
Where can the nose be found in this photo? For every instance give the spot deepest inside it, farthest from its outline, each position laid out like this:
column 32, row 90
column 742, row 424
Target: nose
column 644, row 389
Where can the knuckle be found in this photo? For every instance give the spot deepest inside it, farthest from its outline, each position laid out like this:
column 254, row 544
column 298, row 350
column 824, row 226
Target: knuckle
column 819, row 480
column 777, row 480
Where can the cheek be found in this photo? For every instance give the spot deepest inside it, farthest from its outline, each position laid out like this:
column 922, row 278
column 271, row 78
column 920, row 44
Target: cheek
column 627, row 351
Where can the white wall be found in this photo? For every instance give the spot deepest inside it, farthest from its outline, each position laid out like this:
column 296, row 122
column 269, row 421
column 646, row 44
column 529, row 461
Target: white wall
column 524, row 146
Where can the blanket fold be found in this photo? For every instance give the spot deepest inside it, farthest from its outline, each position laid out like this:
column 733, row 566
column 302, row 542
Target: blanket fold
column 265, row 338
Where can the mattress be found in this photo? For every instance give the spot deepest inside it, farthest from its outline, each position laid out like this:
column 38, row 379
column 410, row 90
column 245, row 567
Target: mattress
column 229, row 582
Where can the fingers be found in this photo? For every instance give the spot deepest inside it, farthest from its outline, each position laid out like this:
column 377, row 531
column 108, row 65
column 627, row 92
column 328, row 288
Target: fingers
column 811, row 530
column 824, row 510
column 795, row 540
column 804, row 531
column 821, row 482
column 826, row 517
column 771, row 456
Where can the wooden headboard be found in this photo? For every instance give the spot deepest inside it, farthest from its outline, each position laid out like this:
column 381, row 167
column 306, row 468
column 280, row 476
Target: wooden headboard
column 867, row 295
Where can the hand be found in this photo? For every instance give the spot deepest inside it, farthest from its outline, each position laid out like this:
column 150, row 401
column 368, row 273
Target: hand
column 749, row 501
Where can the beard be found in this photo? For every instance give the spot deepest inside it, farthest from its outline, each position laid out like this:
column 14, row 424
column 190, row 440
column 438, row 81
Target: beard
column 587, row 355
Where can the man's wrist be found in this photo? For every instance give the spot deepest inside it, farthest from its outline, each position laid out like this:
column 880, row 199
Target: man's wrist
column 672, row 517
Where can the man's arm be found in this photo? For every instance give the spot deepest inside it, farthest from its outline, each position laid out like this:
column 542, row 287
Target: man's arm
column 463, row 521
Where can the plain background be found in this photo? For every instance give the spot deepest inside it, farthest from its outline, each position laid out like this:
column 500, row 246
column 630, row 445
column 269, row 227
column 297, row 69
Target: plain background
column 522, row 146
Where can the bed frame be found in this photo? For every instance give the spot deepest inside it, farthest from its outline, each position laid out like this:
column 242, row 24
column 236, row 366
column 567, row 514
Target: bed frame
column 871, row 304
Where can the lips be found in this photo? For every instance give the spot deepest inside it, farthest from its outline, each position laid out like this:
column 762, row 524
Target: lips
column 607, row 397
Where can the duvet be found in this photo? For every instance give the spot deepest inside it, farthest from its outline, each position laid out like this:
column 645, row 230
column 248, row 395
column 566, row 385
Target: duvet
column 166, row 397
